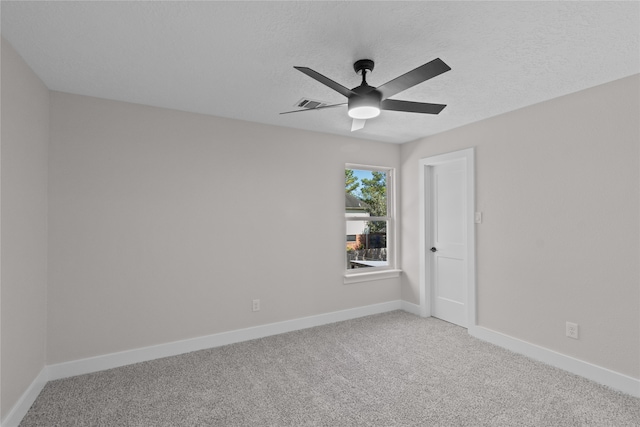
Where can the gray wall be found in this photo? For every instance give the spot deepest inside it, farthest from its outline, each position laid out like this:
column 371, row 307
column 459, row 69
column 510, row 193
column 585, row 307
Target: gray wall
column 559, row 187
column 23, row 226
column 165, row 225
column 147, row 211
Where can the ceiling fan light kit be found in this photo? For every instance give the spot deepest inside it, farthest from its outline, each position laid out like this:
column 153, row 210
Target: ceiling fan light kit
column 365, row 102
column 366, row 106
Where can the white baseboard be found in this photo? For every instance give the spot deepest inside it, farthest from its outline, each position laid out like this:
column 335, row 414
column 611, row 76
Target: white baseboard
column 579, row 367
column 19, row 410
column 595, row 373
column 114, row 360
column 410, row 308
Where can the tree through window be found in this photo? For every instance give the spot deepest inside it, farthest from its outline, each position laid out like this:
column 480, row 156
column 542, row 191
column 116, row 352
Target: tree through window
column 368, row 217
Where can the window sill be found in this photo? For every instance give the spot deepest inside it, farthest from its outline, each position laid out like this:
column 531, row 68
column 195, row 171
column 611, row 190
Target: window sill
column 370, row 275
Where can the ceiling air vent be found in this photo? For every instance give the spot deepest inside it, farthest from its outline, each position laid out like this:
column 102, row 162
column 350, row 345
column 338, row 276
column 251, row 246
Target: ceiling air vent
column 310, row 103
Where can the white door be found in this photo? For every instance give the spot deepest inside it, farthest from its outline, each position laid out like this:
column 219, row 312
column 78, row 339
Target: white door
column 448, row 246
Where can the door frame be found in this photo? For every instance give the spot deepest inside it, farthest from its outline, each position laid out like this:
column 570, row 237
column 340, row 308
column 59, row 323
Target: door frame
column 468, row 155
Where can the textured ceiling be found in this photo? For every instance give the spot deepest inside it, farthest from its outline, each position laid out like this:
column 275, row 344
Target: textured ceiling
column 235, row 59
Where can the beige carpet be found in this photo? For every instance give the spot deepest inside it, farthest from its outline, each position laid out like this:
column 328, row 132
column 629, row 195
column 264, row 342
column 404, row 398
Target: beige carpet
column 392, row 369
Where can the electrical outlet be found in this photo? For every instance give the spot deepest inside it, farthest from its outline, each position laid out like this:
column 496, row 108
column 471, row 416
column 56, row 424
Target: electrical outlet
column 572, row 330
column 256, row 305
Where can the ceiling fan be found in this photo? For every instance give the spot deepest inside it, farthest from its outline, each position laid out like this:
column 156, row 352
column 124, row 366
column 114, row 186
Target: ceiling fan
column 365, row 102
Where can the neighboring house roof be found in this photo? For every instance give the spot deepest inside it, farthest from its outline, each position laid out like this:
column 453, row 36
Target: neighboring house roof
column 352, row 203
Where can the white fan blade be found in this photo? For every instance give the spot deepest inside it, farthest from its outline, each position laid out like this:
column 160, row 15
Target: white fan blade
column 357, row 124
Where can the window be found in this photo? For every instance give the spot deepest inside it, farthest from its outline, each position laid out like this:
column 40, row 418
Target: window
column 369, row 221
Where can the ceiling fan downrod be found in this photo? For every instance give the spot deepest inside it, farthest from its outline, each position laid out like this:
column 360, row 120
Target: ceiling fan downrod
column 361, row 67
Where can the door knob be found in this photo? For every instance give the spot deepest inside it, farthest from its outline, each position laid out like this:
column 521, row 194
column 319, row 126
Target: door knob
column 434, row 249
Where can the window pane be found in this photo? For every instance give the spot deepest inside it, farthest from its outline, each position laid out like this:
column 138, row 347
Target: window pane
column 370, row 246
column 366, row 192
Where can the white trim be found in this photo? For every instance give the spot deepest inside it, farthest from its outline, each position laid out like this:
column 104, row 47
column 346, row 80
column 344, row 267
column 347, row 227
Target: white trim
column 114, row 360
column 370, row 275
column 468, row 155
column 587, row 370
column 410, row 307
column 392, row 229
column 579, row 367
column 20, row 409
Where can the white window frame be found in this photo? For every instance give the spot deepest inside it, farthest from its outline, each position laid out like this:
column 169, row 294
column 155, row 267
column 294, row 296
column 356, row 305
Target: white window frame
column 390, row 270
